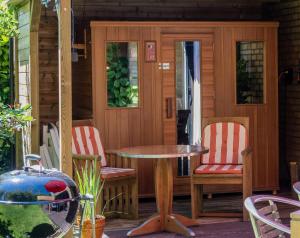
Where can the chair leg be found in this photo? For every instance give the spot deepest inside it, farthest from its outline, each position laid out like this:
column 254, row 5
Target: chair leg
column 247, row 192
column 135, row 200
column 196, row 199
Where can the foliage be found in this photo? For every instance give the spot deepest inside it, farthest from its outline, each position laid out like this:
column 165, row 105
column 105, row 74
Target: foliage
column 8, row 28
column 12, row 119
column 89, row 182
column 120, row 92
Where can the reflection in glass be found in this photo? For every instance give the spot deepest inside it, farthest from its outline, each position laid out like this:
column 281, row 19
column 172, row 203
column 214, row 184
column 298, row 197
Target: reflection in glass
column 122, row 74
column 188, row 99
column 250, row 72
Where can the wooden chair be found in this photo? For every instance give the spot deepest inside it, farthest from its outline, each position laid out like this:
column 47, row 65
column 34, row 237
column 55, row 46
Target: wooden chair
column 265, row 218
column 228, row 161
column 120, row 193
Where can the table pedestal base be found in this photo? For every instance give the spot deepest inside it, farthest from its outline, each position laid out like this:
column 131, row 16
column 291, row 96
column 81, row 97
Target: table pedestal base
column 172, row 223
column 165, row 220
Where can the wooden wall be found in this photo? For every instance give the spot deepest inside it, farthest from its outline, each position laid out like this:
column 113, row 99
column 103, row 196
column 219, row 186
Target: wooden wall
column 23, row 45
column 287, row 13
column 127, row 127
column 82, row 78
column 48, row 63
column 171, row 9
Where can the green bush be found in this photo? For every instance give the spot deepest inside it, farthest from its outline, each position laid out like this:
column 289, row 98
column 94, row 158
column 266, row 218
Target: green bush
column 8, row 28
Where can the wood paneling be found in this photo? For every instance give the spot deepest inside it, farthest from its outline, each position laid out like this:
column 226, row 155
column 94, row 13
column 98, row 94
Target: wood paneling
column 48, row 64
column 148, row 124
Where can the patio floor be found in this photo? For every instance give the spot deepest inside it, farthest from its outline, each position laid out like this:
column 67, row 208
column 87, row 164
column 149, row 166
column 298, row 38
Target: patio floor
column 228, row 227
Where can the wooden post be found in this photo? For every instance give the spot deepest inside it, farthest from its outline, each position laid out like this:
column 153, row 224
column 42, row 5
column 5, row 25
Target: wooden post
column 34, row 73
column 65, row 86
column 295, row 224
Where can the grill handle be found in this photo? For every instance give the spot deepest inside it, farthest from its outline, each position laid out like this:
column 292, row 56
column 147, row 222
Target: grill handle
column 32, row 157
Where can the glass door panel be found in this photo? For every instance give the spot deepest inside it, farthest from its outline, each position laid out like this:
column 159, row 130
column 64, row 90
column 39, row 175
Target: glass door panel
column 188, row 97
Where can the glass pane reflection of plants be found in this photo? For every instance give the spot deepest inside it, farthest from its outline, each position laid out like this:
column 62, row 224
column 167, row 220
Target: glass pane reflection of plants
column 250, row 72
column 122, row 74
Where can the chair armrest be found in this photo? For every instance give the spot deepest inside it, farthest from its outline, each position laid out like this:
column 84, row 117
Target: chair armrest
column 247, row 170
column 247, row 152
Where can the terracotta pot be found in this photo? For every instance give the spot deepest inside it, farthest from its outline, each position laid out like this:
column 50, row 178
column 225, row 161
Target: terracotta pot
column 87, row 230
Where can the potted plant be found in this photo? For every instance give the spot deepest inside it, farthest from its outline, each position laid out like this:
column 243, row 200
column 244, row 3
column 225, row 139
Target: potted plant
column 90, row 182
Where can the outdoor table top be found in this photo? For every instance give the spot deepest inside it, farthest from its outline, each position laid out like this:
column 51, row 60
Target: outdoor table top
column 161, row 151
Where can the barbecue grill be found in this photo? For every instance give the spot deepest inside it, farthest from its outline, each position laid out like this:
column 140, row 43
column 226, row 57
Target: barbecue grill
column 36, row 202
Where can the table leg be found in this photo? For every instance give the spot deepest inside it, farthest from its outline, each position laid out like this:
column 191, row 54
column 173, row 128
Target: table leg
column 165, row 220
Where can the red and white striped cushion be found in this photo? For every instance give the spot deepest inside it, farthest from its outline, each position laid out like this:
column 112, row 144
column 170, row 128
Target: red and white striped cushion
column 110, row 172
column 219, row 169
column 86, row 141
column 226, row 141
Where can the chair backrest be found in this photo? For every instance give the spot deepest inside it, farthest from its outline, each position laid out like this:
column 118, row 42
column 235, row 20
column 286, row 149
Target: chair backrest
column 86, row 141
column 225, row 140
column 266, row 220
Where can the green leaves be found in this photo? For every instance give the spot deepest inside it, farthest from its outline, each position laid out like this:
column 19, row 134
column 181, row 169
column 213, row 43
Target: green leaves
column 118, row 83
column 8, row 28
column 89, row 182
column 12, row 119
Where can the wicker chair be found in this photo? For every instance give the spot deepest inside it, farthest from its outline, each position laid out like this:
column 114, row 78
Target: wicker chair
column 120, row 193
column 266, row 221
column 229, row 161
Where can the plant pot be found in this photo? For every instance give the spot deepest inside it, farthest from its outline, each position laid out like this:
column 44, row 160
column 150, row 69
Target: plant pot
column 87, row 228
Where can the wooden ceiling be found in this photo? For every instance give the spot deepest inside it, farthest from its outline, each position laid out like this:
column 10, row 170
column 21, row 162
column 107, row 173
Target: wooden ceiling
column 170, row 9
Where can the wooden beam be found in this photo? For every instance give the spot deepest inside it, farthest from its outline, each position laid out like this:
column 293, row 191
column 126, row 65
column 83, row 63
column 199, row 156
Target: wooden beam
column 65, row 86
column 34, row 81
column 35, row 15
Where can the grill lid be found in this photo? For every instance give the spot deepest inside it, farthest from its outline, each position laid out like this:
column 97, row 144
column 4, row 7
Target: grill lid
column 35, row 185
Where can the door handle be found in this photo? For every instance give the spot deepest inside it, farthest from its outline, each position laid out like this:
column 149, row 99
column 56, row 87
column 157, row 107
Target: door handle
column 169, row 107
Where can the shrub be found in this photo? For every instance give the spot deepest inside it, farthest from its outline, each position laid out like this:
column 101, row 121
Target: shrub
column 8, row 28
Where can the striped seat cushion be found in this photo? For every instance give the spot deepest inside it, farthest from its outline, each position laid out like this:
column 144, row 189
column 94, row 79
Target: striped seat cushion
column 226, row 141
column 109, row 172
column 86, row 141
column 219, row 169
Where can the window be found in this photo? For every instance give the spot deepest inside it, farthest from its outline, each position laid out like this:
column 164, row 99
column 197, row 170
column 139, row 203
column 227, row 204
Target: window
column 122, row 74
column 250, row 72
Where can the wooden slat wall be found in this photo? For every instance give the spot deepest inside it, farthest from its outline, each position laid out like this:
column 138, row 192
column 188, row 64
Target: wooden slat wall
column 170, row 9
column 48, row 62
column 82, row 79
column 287, row 13
column 23, row 16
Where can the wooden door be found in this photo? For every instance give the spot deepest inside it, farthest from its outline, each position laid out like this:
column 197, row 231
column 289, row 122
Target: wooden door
column 207, row 104
column 128, row 126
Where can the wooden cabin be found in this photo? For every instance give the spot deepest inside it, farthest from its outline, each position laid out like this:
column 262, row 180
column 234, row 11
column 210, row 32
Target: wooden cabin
column 185, row 61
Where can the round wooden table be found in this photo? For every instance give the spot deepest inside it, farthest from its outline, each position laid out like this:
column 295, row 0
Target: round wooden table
column 165, row 220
